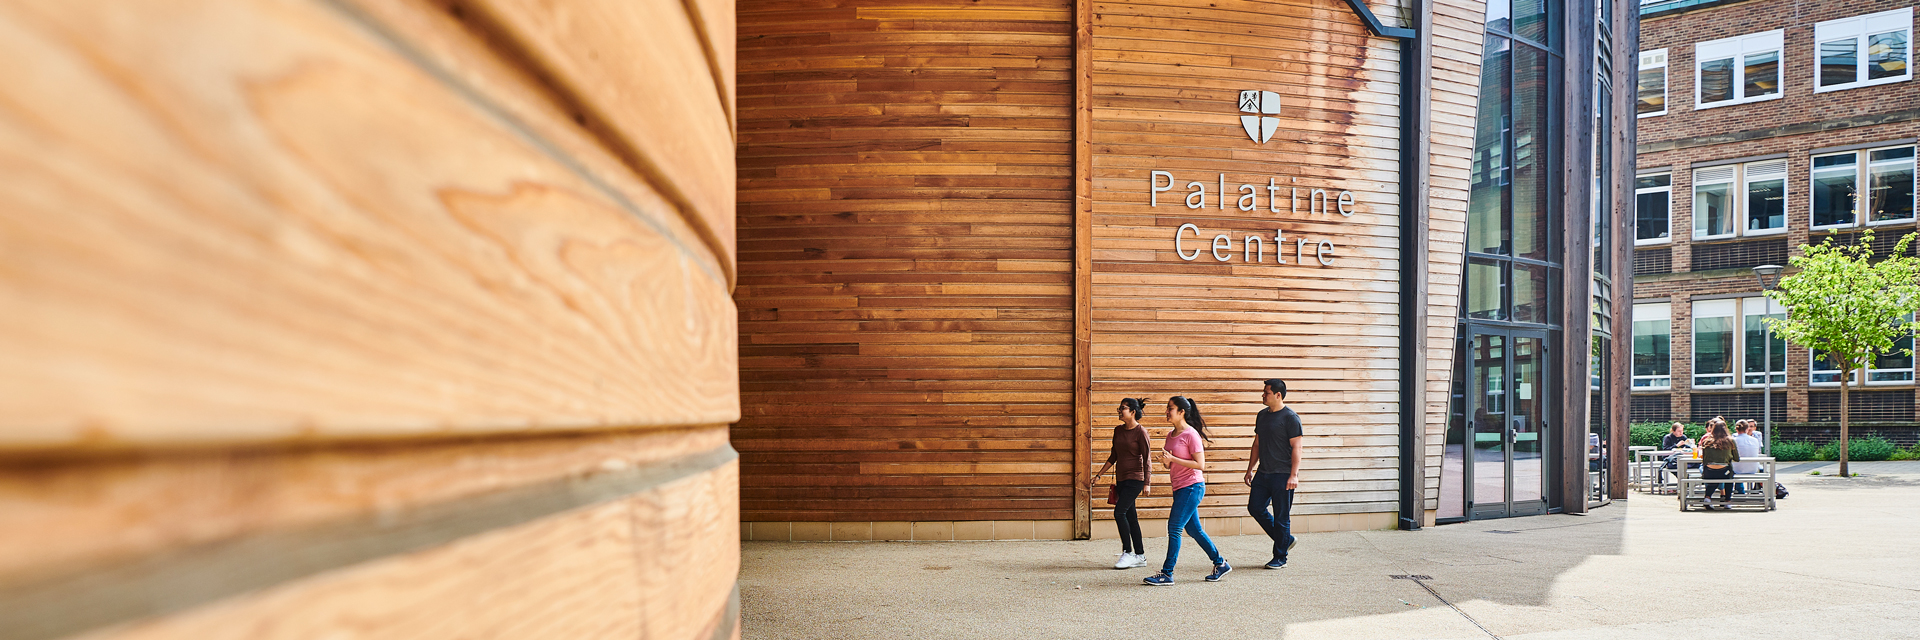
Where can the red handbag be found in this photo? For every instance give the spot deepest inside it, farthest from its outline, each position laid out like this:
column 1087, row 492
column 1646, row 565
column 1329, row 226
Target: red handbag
column 1113, row 494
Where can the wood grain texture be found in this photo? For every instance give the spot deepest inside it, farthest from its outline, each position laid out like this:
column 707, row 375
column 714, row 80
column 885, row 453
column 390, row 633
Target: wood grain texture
column 1458, row 33
column 650, row 77
column 64, row 516
column 661, row 564
column 906, row 239
column 1166, row 79
column 272, row 221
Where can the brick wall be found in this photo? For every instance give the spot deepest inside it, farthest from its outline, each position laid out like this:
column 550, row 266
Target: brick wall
column 1685, row 137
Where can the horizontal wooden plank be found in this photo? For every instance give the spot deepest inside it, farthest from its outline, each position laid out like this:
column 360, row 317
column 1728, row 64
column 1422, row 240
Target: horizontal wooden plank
column 662, row 101
column 306, row 233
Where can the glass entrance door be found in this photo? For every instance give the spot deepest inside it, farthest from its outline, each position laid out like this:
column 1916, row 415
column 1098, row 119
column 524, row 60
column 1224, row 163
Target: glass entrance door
column 1507, row 392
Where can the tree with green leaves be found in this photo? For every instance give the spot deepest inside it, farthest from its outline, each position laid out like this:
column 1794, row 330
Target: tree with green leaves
column 1843, row 303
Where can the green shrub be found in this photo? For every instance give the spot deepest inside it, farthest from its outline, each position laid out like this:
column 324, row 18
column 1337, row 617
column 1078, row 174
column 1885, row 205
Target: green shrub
column 1648, row 434
column 1645, row 434
column 1827, row 452
column 1906, row 454
column 1870, row 449
column 1792, row 451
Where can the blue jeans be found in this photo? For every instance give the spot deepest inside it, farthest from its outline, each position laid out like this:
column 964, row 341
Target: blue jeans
column 1271, row 488
column 1185, row 516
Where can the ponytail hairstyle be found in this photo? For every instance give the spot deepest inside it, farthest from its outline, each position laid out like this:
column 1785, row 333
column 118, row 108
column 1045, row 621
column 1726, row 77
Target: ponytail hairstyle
column 1137, row 405
column 1193, row 416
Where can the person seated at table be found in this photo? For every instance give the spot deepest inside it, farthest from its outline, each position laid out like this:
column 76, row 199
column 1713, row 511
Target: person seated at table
column 1675, row 437
column 1718, row 452
column 1749, row 447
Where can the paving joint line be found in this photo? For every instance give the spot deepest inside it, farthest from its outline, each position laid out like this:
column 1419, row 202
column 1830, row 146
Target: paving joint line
column 1422, row 581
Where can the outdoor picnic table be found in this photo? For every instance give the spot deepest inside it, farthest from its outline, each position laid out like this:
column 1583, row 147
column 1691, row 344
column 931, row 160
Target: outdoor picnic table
column 1635, row 476
column 1685, row 485
column 1654, row 461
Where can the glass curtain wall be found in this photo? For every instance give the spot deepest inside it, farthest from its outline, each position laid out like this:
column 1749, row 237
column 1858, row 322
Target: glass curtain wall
column 1496, row 438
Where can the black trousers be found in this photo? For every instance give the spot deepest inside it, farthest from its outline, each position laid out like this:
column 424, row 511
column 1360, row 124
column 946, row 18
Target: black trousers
column 1271, row 489
column 1127, row 517
column 1725, row 488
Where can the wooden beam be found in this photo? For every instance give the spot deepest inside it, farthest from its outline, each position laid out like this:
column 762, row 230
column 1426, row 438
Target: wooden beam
column 1082, row 267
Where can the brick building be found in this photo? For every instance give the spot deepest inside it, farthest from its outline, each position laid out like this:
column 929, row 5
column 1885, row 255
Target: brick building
column 1764, row 126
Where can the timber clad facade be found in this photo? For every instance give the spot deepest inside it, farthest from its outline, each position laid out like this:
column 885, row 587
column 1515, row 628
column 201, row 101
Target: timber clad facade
column 968, row 229
column 906, row 230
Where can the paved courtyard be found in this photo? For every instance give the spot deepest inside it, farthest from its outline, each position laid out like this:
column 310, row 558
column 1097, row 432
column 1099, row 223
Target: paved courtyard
column 1839, row 559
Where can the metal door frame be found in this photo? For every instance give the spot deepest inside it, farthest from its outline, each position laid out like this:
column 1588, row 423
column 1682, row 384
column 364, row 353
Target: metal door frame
column 1507, row 508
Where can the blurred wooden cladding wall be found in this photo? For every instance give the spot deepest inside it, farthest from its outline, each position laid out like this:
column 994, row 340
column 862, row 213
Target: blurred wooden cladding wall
column 402, row 319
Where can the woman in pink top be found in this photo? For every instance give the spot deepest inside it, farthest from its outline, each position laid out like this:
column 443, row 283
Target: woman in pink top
column 1185, row 454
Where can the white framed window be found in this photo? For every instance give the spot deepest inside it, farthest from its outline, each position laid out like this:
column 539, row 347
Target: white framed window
column 1651, row 97
column 1652, row 346
column 1737, row 70
column 1713, row 202
column 1822, row 372
column 1838, row 200
column 1713, row 343
column 1652, row 208
column 1863, row 51
column 1744, row 199
column 1757, row 369
column 1894, row 366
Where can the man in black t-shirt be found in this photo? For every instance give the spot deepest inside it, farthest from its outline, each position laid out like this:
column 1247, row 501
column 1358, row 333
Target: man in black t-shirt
column 1270, row 468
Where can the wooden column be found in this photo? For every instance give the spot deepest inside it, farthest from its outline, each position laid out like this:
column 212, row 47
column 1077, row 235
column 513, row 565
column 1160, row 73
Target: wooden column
column 1626, row 46
column 1577, row 116
column 1082, row 266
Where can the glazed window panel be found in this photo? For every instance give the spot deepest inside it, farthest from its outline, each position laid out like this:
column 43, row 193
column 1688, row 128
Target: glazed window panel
column 1713, row 202
column 1761, row 362
column 1652, row 208
column 1839, row 62
column 1651, row 92
column 1766, row 196
column 1834, row 179
column 1893, row 366
column 1713, row 338
column 1532, row 298
column 1890, row 184
column 1486, row 289
column 1532, row 148
column 1825, row 371
column 1761, row 74
column 1487, row 230
column 1716, row 81
column 1652, row 346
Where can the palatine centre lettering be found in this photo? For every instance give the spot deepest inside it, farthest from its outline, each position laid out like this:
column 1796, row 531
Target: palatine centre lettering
column 1253, row 246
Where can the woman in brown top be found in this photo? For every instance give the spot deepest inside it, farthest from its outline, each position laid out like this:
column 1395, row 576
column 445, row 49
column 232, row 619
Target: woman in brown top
column 1718, row 452
column 1130, row 447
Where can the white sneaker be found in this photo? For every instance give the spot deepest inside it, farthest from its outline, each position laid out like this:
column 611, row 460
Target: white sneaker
column 1125, row 561
column 1139, row 560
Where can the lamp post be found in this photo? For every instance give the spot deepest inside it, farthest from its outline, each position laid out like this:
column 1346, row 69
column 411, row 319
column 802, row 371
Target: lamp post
column 1769, row 275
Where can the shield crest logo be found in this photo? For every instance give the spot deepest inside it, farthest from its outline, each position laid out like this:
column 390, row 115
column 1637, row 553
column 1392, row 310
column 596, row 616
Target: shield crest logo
column 1266, row 104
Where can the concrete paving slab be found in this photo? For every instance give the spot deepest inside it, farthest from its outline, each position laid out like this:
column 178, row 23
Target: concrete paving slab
column 1840, row 559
